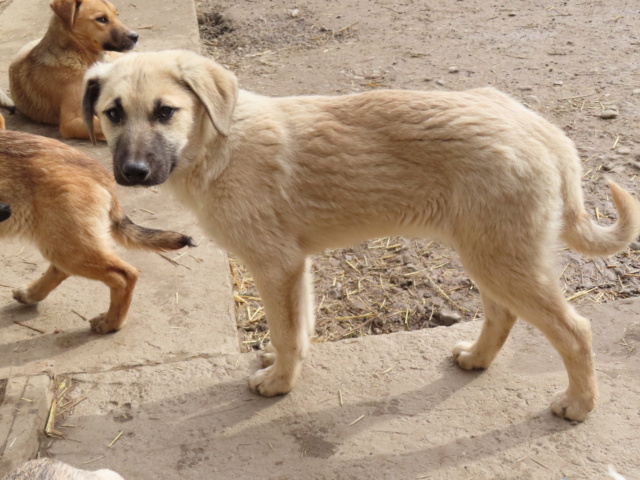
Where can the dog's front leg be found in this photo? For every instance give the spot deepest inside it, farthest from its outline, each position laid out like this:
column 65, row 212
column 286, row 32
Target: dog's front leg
column 288, row 304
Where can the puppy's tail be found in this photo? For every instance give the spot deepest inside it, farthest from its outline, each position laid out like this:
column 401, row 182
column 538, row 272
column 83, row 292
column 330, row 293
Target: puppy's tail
column 130, row 235
column 585, row 236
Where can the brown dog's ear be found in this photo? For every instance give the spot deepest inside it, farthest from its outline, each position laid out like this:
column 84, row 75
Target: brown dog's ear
column 91, row 93
column 215, row 86
column 66, row 10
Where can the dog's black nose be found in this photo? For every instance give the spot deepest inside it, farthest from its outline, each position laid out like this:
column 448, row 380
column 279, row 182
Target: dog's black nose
column 133, row 36
column 136, row 172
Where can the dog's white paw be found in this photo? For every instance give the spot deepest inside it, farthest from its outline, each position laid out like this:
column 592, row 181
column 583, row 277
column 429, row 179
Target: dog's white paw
column 464, row 356
column 570, row 408
column 269, row 383
column 22, row 295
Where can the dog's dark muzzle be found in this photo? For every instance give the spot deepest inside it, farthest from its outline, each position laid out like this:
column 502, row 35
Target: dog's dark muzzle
column 121, row 41
column 145, row 160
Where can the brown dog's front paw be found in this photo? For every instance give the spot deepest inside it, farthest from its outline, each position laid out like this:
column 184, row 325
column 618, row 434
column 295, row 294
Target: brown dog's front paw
column 102, row 324
column 22, row 295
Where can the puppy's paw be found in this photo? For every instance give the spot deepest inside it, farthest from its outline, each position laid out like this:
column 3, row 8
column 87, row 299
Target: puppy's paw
column 22, row 296
column 465, row 357
column 268, row 356
column 102, row 324
column 268, row 383
column 570, row 408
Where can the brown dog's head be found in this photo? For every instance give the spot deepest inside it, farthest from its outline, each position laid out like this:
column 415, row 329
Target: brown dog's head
column 95, row 25
column 153, row 105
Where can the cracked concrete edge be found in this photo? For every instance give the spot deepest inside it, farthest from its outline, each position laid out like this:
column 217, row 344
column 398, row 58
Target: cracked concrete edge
column 23, row 414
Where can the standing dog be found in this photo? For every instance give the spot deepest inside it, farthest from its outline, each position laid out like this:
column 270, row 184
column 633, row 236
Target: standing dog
column 46, row 78
column 275, row 180
column 66, row 203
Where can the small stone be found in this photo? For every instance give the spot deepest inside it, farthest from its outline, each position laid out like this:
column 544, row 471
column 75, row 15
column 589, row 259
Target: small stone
column 512, row 14
column 406, row 258
column 636, row 165
column 608, row 114
column 608, row 167
column 453, row 69
column 623, row 151
column 448, row 318
column 440, row 82
column 636, row 91
column 526, row 88
column 294, row 13
column 635, row 246
column 558, row 83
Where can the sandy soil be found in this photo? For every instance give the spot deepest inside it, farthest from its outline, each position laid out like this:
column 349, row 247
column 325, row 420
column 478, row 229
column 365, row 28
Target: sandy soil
column 576, row 64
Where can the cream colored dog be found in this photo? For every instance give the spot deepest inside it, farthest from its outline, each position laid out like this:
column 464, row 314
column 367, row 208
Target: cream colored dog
column 275, row 180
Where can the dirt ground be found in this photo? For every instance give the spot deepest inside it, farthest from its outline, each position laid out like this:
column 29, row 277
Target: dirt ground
column 575, row 63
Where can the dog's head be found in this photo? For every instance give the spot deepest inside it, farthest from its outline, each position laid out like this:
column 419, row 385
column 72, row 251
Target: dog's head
column 95, row 24
column 152, row 105
column 5, row 211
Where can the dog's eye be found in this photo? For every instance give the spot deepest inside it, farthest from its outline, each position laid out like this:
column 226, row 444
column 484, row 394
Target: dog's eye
column 165, row 113
column 113, row 114
column 102, row 20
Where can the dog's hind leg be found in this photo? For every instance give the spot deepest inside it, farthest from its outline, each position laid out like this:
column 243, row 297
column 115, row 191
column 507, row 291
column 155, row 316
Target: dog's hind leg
column 119, row 276
column 38, row 290
column 285, row 292
column 531, row 291
column 498, row 321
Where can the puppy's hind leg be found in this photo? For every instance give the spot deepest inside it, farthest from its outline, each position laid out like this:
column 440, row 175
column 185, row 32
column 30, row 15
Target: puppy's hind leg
column 285, row 294
column 38, row 290
column 495, row 329
column 119, row 276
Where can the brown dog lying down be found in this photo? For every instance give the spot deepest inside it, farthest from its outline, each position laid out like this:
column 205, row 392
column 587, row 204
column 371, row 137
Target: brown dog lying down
column 66, row 203
column 275, row 180
column 48, row 469
column 46, row 78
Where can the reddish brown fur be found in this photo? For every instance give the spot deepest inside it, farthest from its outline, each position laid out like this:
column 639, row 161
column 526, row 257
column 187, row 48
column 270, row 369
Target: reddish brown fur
column 46, row 79
column 66, row 203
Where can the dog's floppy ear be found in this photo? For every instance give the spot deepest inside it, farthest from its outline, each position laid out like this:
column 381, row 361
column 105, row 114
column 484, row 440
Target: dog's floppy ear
column 66, row 10
column 215, row 86
column 91, row 93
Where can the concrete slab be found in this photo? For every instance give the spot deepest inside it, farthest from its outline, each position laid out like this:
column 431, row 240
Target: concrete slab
column 385, row 407
column 24, row 407
column 178, row 310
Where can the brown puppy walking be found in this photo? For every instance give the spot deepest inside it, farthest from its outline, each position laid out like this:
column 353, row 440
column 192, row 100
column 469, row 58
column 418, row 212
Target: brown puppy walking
column 65, row 203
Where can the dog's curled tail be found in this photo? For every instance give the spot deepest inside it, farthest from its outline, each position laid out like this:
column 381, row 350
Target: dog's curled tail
column 585, row 236
column 130, row 235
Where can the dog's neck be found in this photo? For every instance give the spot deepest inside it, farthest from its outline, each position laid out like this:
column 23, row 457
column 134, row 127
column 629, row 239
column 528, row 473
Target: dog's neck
column 66, row 47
